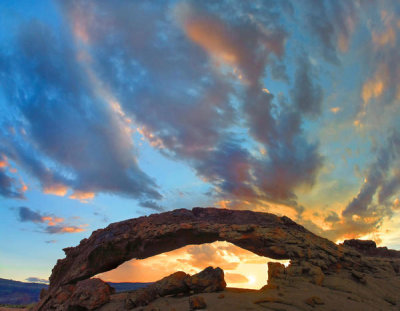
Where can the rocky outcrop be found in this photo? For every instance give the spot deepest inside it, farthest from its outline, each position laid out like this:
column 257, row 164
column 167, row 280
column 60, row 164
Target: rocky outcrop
column 368, row 248
column 85, row 295
column 312, row 258
column 207, row 281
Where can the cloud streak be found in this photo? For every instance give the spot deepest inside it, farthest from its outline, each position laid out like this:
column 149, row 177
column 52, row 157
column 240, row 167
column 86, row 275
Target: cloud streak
column 52, row 224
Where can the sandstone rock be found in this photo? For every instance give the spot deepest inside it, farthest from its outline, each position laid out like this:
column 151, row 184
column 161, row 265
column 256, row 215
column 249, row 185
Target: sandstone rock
column 312, row 257
column 43, row 293
column 276, row 270
column 85, row 295
column 262, row 233
column 368, row 248
column 90, row 294
column 359, row 276
column 197, row 303
column 173, row 284
column 207, row 281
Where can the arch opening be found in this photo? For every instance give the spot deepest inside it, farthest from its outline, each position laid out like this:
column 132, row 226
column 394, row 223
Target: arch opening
column 242, row 268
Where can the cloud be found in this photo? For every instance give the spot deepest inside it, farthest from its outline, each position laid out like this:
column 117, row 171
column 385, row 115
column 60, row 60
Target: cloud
column 377, row 177
column 37, row 280
column 375, row 201
column 9, row 186
column 331, row 25
column 235, row 278
column 206, row 77
column 230, row 90
column 26, row 215
column 88, row 149
column 307, row 96
column 332, row 218
column 63, row 229
column 152, row 205
column 53, row 224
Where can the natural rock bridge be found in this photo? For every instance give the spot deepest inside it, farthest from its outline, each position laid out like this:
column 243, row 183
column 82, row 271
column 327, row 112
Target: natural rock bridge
column 312, row 257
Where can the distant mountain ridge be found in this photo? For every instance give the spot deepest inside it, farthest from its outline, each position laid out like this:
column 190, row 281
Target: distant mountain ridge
column 23, row 293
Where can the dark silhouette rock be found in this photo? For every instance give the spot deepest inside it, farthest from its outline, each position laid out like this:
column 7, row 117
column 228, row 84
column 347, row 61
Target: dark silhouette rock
column 312, row 258
column 207, row 281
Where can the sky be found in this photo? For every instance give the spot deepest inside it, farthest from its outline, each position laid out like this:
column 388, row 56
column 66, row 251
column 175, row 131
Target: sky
column 111, row 110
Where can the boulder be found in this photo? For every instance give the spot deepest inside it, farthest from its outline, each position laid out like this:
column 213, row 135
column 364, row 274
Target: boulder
column 207, row 281
column 85, row 295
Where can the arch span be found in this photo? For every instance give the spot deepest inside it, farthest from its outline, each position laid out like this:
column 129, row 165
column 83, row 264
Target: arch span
column 261, row 233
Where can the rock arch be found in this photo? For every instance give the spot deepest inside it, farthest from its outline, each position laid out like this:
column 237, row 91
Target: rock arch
column 313, row 259
column 261, row 233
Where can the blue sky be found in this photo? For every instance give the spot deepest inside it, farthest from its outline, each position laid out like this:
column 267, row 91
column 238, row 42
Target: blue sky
column 111, row 111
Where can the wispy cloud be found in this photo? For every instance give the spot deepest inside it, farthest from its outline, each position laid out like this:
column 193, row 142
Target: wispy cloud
column 52, row 224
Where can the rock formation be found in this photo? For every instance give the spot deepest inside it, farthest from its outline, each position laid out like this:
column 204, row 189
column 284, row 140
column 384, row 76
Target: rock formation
column 207, row 281
column 313, row 259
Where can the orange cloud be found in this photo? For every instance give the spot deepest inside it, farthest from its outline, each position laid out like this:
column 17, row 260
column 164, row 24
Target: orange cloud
column 375, row 86
column 79, row 27
column 52, row 221
column 24, row 187
column 396, row 204
column 150, row 137
column 3, row 161
column 56, row 189
column 71, row 229
column 232, row 278
column 335, row 110
column 210, row 34
column 82, row 195
column 222, row 203
column 388, row 37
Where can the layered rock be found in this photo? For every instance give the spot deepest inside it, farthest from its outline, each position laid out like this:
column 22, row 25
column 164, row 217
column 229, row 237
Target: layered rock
column 312, row 257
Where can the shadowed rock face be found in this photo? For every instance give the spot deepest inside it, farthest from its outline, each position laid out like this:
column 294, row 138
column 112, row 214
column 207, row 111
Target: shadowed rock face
column 264, row 234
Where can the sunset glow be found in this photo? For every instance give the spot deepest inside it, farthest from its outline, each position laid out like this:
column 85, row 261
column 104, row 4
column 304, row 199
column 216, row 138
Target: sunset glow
column 243, row 269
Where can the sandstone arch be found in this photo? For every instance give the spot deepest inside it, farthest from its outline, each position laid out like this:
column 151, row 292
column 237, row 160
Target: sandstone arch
column 313, row 259
column 262, row 233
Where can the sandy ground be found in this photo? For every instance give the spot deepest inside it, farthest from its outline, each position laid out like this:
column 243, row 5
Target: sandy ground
column 11, row 309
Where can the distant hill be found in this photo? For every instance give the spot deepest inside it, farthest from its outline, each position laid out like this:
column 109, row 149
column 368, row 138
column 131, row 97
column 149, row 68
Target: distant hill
column 22, row 293
column 124, row 287
column 19, row 293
